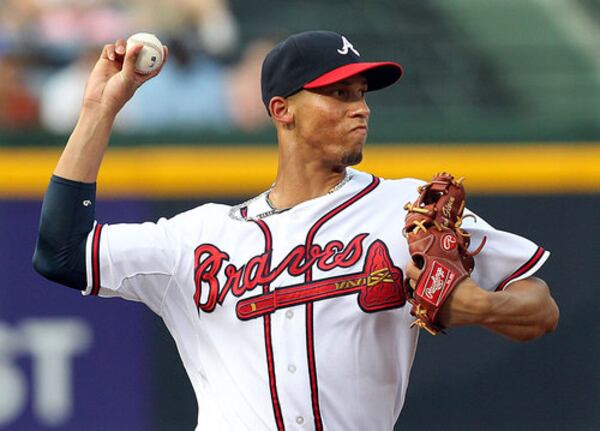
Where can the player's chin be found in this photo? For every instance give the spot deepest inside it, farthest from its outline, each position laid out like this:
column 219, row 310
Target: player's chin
column 353, row 154
column 351, row 158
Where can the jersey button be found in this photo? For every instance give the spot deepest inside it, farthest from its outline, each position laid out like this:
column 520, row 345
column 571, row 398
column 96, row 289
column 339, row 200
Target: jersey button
column 299, row 420
column 292, row 368
column 289, row 314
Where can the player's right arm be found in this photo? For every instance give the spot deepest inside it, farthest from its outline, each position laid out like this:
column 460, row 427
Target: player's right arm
column 68, row 209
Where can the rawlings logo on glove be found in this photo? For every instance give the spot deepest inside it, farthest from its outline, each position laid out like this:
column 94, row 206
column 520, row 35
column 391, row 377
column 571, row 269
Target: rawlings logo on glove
column 438, row 245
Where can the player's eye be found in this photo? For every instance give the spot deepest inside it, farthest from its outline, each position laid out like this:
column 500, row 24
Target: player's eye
column 348, row 93
column 339, row 92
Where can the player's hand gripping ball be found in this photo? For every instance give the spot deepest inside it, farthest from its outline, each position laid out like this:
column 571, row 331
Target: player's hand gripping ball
column 151, row 56
column 438, row 245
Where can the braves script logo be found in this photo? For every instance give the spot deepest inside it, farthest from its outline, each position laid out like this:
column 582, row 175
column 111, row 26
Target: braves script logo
column 379, row 284
column 438, row 280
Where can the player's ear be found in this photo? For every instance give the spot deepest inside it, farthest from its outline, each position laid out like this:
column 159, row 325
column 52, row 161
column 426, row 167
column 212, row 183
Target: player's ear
column 280, row 111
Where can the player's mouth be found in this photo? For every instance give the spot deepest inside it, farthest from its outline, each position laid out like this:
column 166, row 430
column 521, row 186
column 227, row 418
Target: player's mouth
column 362, row 128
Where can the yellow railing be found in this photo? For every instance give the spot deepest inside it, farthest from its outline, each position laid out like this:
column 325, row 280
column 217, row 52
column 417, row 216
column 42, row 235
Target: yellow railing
column 178, row 172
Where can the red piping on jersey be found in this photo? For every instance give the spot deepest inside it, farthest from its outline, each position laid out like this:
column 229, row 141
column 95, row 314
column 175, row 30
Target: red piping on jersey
column 310, row 342
column 268, row 344
column 96, row 260
column 523, row 269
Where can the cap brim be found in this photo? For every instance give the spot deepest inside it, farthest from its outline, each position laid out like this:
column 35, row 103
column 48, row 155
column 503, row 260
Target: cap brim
column 379, row 75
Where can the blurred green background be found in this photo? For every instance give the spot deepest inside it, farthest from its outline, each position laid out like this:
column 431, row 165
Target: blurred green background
column 511, row 70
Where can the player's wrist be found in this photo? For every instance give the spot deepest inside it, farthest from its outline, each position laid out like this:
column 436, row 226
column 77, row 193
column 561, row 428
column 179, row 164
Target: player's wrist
column 468, row 304
column 93, row 111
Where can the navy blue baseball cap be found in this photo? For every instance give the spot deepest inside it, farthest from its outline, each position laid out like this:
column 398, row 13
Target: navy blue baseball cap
column 314, row 59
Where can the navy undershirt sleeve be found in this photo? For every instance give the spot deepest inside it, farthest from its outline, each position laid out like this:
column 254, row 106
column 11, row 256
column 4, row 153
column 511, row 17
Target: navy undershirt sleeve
column 66, row 219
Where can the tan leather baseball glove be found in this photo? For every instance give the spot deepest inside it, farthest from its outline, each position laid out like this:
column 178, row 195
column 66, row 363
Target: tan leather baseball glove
column 438, row 245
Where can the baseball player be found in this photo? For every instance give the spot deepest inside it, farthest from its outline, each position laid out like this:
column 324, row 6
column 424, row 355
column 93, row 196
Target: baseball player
column 288, row 309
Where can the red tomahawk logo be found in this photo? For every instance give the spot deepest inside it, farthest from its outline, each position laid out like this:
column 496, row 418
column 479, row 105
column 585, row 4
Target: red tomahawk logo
column 379, row 287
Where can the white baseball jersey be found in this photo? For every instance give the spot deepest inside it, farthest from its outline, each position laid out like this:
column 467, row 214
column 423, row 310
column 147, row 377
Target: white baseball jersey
column 293, row 319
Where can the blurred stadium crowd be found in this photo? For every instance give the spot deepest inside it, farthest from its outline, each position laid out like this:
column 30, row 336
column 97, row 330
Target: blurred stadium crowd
column 475, row 69
column 47, row 48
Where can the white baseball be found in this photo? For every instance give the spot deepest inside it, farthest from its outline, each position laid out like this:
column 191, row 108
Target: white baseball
column 152, row 54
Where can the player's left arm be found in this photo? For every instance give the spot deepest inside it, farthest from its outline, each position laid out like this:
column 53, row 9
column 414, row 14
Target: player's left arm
column 523, row 311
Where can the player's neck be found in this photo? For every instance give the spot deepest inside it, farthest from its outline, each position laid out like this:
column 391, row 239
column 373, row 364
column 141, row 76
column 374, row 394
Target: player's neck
column 297, row 184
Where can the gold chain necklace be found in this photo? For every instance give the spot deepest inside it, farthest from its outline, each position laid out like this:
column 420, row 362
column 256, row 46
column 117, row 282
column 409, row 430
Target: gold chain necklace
column 234, row 212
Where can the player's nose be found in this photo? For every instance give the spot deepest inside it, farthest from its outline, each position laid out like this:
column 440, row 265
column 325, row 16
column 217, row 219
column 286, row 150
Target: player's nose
column 361, row 109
